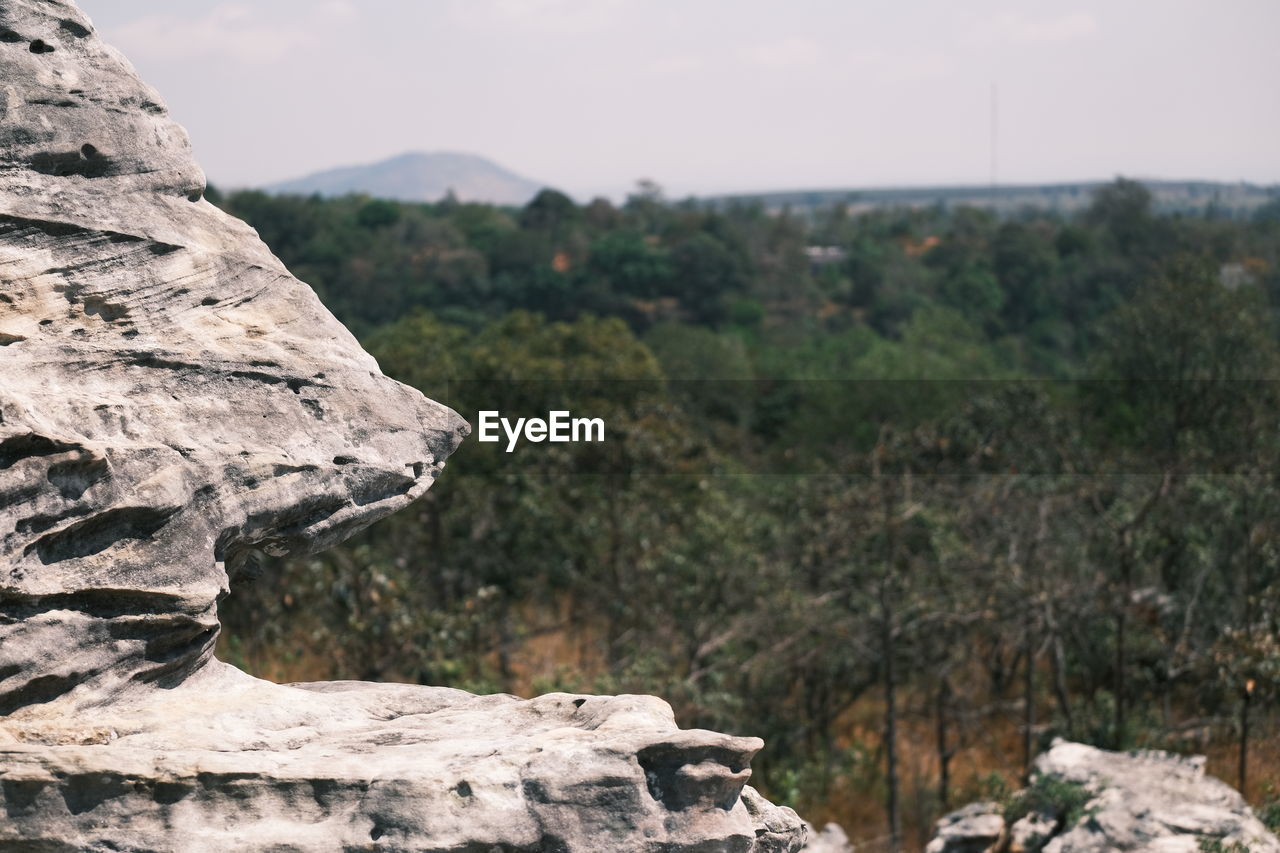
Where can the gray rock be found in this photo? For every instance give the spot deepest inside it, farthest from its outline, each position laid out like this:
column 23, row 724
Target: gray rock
column 976, row 828
column 1030, row 832
column 172, row 398
column 1149, row 802
column 227, row 762
column 171, row 402
column 832, row 839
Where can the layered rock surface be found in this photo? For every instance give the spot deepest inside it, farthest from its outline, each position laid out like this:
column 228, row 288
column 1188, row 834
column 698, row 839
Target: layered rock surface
column 1148, row 802
column 171, row 400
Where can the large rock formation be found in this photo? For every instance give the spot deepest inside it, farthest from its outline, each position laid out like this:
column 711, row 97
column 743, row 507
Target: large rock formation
column 171, row 400
column 1087, row 800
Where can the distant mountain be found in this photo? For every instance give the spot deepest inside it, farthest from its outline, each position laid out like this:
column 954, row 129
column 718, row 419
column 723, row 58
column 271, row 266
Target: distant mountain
column 419, row 176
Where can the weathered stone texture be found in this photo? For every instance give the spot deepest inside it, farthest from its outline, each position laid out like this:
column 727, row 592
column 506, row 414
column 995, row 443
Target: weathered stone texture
column 171, row 400
column 1146, row 802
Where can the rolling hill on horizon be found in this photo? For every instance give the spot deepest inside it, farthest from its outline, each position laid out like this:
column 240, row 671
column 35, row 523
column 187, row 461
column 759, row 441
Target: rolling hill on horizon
column 419, row 176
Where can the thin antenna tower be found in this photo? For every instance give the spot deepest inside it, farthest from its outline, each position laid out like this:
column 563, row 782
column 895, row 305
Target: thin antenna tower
column 995, row 116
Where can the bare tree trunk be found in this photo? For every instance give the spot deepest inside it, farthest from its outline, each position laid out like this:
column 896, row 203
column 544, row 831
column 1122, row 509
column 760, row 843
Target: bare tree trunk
column 1028, row 699
column 1058, row 660
column 506, row 640
column 888, row 651
column 1122, row 662
column 944, row 750
column 1244, row 737
column 890, row 720
column 1120, row 717
column 1126, row 599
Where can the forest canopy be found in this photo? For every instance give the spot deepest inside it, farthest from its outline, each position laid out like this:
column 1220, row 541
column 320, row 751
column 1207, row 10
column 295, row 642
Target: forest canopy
column 906, row 493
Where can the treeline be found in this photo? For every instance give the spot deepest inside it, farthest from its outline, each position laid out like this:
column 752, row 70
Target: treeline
column 908, row 494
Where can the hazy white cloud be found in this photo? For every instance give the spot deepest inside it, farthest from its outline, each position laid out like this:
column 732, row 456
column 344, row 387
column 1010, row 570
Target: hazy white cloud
column 233, row 31
column 547, row 17
column 674, row 66
column 1017, row 28
column 789, row 52
column 900, row 66
column 339, row 10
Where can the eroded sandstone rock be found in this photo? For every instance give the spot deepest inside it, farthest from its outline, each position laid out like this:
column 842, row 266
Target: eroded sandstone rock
column 1150, row 801
column 172, row 399
column 171, row 396
column 1145, row 801
column 975, row 828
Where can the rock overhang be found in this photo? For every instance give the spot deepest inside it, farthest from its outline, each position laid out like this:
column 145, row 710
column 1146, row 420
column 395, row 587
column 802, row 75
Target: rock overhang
column 171, row 399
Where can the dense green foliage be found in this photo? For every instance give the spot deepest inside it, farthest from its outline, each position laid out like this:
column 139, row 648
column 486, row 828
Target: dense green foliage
column 1065, row 801
column 923, row 471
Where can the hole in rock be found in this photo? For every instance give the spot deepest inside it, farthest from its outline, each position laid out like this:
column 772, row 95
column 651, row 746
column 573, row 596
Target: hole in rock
column 168, row 793
column 578, row 703
column 65, row 163
column 85, row 793
column 375, row 486
column 21, row 794
column 464, row 788
column 39, row 46
column 15, row 448
column 209, row 300
column 42, row 688
column 96, row 306
column 345, row 460
column 76, row 476
column 9, row 36
column 41, row 523
column 76, row 28
column 376, row 833
column 97, row 534
column 293, row 520
column 88, row 151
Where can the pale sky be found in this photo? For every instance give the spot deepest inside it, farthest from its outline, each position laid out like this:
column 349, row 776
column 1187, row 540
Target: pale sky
column 709, row 96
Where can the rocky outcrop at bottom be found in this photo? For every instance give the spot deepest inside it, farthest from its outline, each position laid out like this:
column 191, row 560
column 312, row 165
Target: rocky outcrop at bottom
column 228, row 762
column 1087, row 800
column 976, row 828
